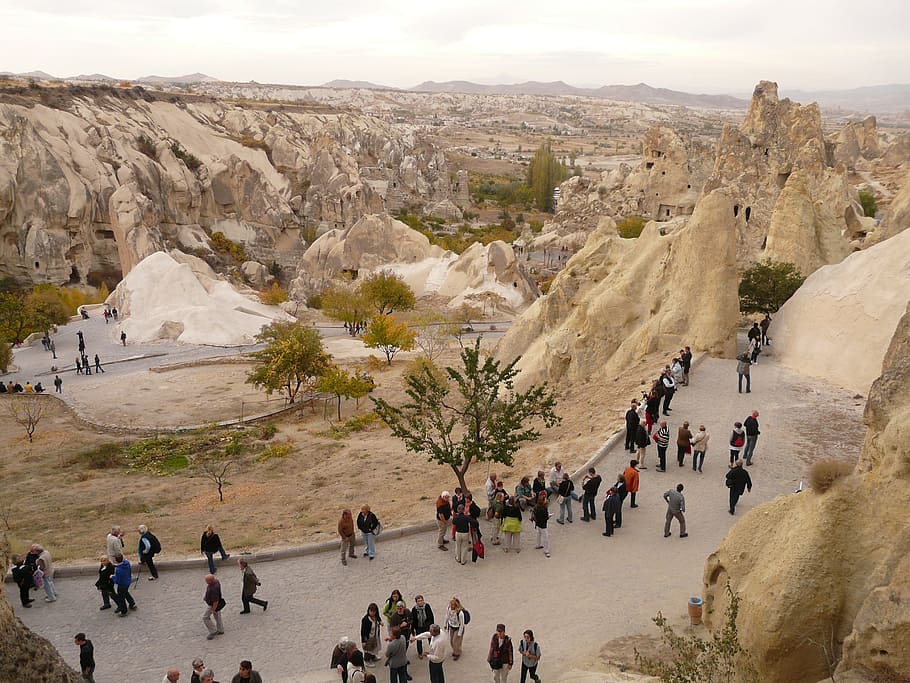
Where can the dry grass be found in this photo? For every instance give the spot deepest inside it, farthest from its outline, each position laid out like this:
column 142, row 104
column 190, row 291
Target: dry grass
column 824, row 473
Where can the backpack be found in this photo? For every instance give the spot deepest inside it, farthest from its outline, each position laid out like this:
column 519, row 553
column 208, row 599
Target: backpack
column 154, row 543
column 466, row 616
column 737, row 440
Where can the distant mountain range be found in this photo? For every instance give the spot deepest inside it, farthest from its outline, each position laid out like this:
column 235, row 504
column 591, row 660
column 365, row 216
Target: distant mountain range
column 102, row 78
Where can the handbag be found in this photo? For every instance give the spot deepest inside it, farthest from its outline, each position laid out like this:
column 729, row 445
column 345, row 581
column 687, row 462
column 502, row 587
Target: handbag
column 495, row 663
column 478, row 548
column 560, row 500
column 221, row 603
column 378, row 529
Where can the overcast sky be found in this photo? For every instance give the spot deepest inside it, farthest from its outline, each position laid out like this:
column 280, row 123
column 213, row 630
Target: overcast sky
column 694, row 45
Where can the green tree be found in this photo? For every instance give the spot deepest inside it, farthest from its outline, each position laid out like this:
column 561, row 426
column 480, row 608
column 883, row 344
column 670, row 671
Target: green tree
column 293, row 358
column 6, row 356
column 387, row 293
column 349, row 307
column 474, row 415
column 343, row 384
column 868, row 202
column 544, row 174
column 766, row 286
column 389, row 334
column 22, row 314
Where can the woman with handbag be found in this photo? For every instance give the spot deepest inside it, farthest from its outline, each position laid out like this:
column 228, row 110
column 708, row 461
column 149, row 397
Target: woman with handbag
column 455, row 622
column 511, row 525
column 564, row 491
column 370, row 632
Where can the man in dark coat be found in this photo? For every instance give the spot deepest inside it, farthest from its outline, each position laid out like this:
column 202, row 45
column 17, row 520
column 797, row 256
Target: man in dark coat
column 86, row 657
column 632, row 421
column 590, row 486
column 738, row 480
column 612, row 508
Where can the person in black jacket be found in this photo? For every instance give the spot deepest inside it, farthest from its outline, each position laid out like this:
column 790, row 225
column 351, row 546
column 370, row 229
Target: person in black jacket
column 22, row 575
column 612, row 507
column 619, row 488
column 590, row 485
column 642, row 440
column 541, row 515
column 105, row 582
column 370, row 630
column 632, row 421
column 738, row 480
column 86, row 657
column 368, row 524
column 421, row 620
column 211, row 544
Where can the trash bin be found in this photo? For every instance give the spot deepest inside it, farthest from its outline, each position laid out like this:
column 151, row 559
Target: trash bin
column 695, row 605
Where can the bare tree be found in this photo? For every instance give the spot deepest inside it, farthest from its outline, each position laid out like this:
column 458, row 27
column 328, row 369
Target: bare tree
column 216, row 469
column 27, row 411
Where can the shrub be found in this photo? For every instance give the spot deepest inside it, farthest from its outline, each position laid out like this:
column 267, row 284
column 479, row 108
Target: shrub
column 146, row 146
column 6, row 356
column 766, row 286
column 314, row 301
column 278, row 450
column 227, row 247
column 274, row 295
column 867, row 201
column 536, row 226
column 358, row 423
column 824, row 473
column 192, row 162
column 419, row 366
column 630, row 227
column 104, row 457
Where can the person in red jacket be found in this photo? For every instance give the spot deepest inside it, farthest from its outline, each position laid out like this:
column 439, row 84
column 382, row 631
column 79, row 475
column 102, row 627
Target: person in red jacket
column 500, row 655
column 631, row 476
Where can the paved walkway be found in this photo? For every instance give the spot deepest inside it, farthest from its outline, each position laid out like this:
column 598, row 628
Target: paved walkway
column 590, row 591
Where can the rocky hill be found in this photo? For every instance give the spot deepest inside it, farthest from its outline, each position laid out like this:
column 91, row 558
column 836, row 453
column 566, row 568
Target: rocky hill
column 93, row 179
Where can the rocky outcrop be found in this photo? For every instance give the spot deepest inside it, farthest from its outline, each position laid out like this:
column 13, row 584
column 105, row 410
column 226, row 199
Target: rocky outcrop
column 24, row 655
column 824, row 577
column 96, row 180
column 898, row 217
column 857, row 140
column 618, row 299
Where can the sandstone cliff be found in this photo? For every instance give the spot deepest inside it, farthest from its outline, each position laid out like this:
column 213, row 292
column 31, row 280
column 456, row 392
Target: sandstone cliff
column 94, row 180
column 825, row 577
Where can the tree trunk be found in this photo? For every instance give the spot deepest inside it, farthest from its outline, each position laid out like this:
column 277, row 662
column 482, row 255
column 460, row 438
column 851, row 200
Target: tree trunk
column 339, row 408
column 460, row 476
column 220, row 492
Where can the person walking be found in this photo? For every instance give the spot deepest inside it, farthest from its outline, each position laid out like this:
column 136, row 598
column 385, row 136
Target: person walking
column 530, row 656
column 564, row 492
column 500, row 654
column 743, row 365
column 752, row 432
column 123, row 579
column 396, row 652
column 209, row 544
column 115, row 543
column 463, row 523
column 347, row 535
column 683, row 443
column 148, row 547
column 86, row 657
column 662, row 440
column 46, row 565
column 455, row 623
column 631, row 477
column 676, row 507
column 22, row 575
column 737, row 441
column 632, row 422
column 541, row 516
column 78, row 365
column 246, row 674
column 58, row 384
column 699, row 447
column 436, row 653
column 443, row 518
column 737, row 480
column 123, row 338
column 368, row 525
column 590, row 485
column 98, row 367
column 511, row 526
column 214, row 603
column 764, row 325
column 250, row 584
column 105, row 582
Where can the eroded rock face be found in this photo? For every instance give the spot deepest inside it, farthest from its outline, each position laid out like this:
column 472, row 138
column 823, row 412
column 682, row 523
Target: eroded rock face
column 25, row 656
column 94, row 184
column 856, row 141
column 831, row 569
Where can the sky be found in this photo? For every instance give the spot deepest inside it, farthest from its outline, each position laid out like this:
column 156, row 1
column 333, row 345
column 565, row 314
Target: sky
column 711, row 46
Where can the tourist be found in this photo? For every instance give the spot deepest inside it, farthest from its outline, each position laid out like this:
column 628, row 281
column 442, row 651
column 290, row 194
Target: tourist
column 631, row 478
column 676, row 508
column 511, row 526
column 621, row 491
column 612, row 506
column 662, row 440
column 498, row 504
column 390, row 605
column 340, row 657
column 754, row 337
column 443, row 519
column 738, row 480
column 207, row 676
column 58, row 384
column 401, row 619
column 347, row 535
column 86, row 368
column 356, row 661
column 421, row 620
column 250, row 584
column 752, row 432
column 669, row 385
column 198, row 669
column 555, row 478
column 539, row 485
column 28, row 388
column 437, row 651
column 114, row 543
column 370, row 636
column 764, row 325
column 173, row 675
column 742, row 370
column 685, row 356
column 683, row 442
column 368, row 525
column 123, row 338
column 642, row 441
column 123, row 579
column 209, row 544
column 114, row 312
column 564, row 491
column 397, row 656
column 458, row 500
column 590, row 485
column 214, row 604
column 652, row 409
column 530, row 656
column 246, row 673
column 78, row 365
column 632, row 422
column 737, row 441
column 45, row 563
column 148, row 546
column 699, row 447
column 489, row 487
column 472, row 508
column 524, row 494
column 98, row 367
column 105, row 582
column 22, row 575
column 676, row 368
column 541, row 516
column 463, row 523
column 455, row 623
column 53, row 349
column 499, row 656
column 86, row 657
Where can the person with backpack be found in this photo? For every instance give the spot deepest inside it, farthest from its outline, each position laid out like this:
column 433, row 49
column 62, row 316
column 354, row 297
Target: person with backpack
column 149, row 546
column 737, row 441
column 530, row 656
column 457, row 617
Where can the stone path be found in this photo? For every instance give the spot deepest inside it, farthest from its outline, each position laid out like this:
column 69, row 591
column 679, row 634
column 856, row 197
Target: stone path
column 590, row 591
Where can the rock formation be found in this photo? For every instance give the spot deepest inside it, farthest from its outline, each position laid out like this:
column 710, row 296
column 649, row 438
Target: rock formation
column 831, row 570
column 93, row 180
column 180, row 298
column 618, row 299
column 870, row 289
column 25, row 656
column 898, row 216
column 857, row 140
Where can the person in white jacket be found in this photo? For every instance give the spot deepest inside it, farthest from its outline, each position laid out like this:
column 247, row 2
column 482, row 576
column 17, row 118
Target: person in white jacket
column 436, row 652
